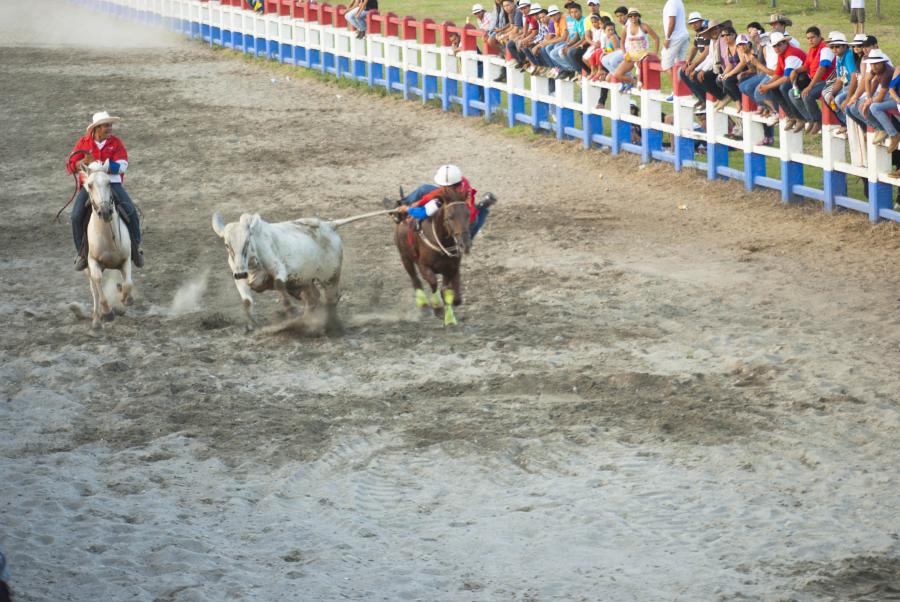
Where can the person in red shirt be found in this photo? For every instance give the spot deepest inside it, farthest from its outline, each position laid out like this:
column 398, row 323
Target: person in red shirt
column 424, row 201
column 810, row 79
column 98, row 144
column 777, row 90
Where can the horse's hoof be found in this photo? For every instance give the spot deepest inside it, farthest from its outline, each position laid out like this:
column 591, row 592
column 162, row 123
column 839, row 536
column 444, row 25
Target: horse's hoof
column 438, row 311
column 129, row 301
column 96, row 325
column 109, row 317
column 119, row 311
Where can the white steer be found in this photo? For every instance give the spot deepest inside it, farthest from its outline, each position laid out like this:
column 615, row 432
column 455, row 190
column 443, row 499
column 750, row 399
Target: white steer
column 291, row 257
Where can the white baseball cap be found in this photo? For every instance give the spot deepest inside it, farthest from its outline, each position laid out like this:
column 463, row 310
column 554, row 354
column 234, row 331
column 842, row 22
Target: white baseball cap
column 593, row 2
column 552, row 10
column 694, row 17
column 776, row 37
column 835, row 37
column 742, row 39
column 876, row 56
column 477, row 8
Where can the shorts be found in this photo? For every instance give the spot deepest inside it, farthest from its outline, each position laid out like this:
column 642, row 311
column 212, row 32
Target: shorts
column 857, row 15
column 676, row 52
column 636, row 55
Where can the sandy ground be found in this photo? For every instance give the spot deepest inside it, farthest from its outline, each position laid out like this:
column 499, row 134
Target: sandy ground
column 641, row 403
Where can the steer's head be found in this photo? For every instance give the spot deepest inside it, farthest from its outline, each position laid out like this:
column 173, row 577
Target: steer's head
column 237, row 236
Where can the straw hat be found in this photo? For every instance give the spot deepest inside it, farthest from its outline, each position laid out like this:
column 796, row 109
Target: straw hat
column 713, row 25
column 101, row 118
column 836, row 37
column 779, row 18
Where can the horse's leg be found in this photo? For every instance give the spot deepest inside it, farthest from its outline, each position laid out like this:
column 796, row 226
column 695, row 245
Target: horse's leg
column 247, row 301
column 450, row 291
column 406, row 256
column 310, row 297
column 125, row 287
column 95, row 314
column 107, row 314
column 431, row 278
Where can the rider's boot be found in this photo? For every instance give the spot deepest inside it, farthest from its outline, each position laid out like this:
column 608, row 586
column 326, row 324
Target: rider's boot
column 137, row 257
column 80, row 262
column 487, row 200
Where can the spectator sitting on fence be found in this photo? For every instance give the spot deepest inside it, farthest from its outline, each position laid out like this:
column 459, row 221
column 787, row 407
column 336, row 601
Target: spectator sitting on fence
column 501, row 37
column 554, row 41
column 568, row 56
column 761, row 63
column 874, row 108
column 531, row 48
column 637, row 48
column 256, row 6
column 621, row 15
column 595, row 48
column 861, row 90
column 527, row 34
column 703, row 77
column 780, row 86
column 739, row 54
column 809, row 81
column 726, row 58
column 697, row 56
column 483, row 19
column 358, row 18
column 503, row 15
column 838, row 84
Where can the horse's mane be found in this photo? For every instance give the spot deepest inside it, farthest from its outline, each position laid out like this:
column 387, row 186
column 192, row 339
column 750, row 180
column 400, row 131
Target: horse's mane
column 452, row 196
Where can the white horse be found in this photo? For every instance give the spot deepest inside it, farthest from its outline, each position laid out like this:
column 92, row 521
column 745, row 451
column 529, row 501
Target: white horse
column 109, row 245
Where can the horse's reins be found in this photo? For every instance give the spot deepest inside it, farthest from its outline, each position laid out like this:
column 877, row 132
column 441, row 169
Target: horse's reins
column 75, row 178
column 440, row 248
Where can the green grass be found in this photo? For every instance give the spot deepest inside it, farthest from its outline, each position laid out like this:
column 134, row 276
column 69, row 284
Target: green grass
column 829, row 17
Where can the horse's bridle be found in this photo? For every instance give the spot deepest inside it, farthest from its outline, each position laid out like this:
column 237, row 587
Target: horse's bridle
column 440, row 248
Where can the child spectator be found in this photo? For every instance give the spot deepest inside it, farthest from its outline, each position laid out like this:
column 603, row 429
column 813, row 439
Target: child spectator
column 637, row 36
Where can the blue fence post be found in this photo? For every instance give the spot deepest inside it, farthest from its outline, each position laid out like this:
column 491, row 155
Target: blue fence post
column 410, row 81
column 376, row 74
column 565, row 118
column 492, row 101
column 449, row 89
column 540, row 114
column 359, row 70
column 429, row 87
column 879, row 198
column 471, row 92
column 393, row 78
column 651, row 140
column 590, row 124
column 791, row 175
column 834, row 184
column 716, row 156
column 754, row 167
column 621, row 134
column 515, row 105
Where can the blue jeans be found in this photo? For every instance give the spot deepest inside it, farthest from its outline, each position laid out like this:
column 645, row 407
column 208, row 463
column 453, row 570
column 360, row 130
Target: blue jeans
column 749, row 85
column 417, row 194
column 809, row 106
column 878, row 111
column 779, row 97
column 81, row 213
column 841, row 97
column 695, row 86
column 564, row 61
column 547, row 54
column 359, row 19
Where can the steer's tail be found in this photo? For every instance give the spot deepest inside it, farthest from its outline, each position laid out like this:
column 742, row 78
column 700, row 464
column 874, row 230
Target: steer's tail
column 337, row 223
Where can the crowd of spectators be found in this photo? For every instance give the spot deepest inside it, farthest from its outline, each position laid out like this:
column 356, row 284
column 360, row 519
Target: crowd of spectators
column 782, row 76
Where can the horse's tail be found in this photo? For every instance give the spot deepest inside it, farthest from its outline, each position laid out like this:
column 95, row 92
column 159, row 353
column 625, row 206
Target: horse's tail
column 337, row 223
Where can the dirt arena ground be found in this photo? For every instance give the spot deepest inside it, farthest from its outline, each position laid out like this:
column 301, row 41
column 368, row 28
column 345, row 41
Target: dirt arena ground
column 640, row 403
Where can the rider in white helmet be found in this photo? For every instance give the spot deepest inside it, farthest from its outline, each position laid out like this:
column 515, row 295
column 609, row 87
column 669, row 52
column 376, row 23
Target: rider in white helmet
column 425, row 201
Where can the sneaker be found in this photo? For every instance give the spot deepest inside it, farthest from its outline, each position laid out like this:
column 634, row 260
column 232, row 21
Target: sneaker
column 80, row 263
column 700, row 104
column 625, row 87
column 487, row 200
column 501, row 79
column 670, row 98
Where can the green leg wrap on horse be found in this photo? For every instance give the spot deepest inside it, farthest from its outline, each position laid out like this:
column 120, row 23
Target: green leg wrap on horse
column 421, row 298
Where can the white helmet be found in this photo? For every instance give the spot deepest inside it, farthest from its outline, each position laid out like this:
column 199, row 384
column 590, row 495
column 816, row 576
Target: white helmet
column 447, row 175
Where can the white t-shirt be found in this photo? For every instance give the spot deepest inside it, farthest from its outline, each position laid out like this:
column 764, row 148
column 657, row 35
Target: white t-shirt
column 857, row 3
column 675, row 8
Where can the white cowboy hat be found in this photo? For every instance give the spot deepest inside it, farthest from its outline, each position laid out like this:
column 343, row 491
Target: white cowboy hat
column 101, row 118
column 876, row 56
column 477, row 8
column 535, row 9
column 694, row 17
column 552, row 10
column 836, row 37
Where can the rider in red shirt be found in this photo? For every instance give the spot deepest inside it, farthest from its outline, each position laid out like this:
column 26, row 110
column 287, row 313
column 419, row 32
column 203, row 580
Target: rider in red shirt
column 98, row 144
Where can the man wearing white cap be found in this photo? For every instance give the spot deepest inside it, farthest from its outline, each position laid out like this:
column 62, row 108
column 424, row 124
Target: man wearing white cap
column 778, row 88
column 98, row 144
column 874, row 109
column 483, row 20
column 675, row 34
column 838, row 85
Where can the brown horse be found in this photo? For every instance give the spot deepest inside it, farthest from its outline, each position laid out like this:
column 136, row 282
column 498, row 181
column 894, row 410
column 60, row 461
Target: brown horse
column 436, row 249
